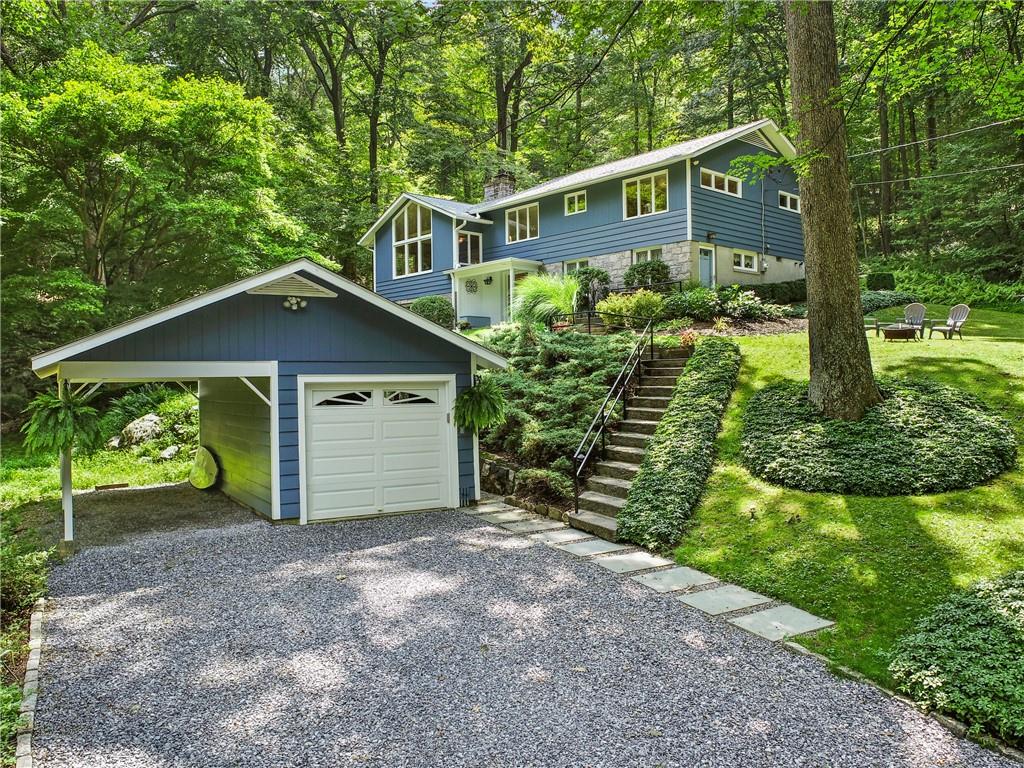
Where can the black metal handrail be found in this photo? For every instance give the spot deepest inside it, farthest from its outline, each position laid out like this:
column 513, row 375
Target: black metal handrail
column 588, row 315
column 599, row 425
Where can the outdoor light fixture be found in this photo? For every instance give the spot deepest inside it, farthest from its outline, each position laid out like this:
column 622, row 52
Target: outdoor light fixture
column 488, row 280
column 294, row 303
column 711, row 236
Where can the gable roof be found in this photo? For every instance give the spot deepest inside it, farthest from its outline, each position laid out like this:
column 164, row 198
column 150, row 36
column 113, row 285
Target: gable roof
column 453, row 208
column 45, row 364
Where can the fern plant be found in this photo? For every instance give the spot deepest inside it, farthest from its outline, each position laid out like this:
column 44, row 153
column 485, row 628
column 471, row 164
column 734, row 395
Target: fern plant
column 538, row 298
column 57, row 422
column 480, row 406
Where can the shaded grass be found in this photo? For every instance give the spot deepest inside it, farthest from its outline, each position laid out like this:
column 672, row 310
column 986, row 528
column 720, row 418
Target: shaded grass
column 874, row 565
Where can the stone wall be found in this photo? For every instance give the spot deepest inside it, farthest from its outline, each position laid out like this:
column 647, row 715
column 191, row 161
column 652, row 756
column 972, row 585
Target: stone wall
column 499, row 477
column 676, row 255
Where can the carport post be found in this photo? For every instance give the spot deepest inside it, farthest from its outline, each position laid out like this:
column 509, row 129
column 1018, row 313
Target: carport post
column 66, row 502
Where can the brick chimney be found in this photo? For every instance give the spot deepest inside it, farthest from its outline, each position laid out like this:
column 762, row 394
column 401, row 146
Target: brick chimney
column 501, row 184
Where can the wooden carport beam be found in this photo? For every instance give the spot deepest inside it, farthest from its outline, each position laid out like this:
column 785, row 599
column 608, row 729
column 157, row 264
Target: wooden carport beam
column 66, row 503
column 254, row 388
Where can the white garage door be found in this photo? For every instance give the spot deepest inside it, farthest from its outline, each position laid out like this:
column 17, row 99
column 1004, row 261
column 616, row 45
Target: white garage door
column 376, row 449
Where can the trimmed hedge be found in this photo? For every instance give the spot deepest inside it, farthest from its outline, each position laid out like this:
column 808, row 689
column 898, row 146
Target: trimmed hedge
column 966, row 658
column 872, row 301
column 788, row 292
column 437, row 309
column 646, row 273
column 923, row 437
column 682, row 450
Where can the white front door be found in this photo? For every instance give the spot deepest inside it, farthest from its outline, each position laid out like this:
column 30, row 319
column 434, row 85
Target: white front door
column 376, row 448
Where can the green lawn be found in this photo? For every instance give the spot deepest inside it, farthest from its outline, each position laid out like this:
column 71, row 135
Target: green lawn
column 874, row 565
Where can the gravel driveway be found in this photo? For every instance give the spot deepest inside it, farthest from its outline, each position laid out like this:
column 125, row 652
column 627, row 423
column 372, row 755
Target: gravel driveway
column 427, row 640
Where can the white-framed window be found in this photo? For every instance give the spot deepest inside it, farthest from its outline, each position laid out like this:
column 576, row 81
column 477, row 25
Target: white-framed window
column 576, row 202
column 471, row 248
column 647, row 254
column 789, row 201
column 571, row 266
column 522, row 223
column 412, row 252
column 645, row 195
column 744, row 261
column 721, row 182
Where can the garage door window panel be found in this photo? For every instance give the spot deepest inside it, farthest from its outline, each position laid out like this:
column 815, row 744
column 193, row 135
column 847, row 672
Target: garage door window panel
column 347, row 398
column 410, row 397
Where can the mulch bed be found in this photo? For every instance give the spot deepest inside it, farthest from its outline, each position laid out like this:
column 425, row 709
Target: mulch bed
column 754, row 327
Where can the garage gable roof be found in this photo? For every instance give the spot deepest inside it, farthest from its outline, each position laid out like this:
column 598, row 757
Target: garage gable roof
column 45, row 364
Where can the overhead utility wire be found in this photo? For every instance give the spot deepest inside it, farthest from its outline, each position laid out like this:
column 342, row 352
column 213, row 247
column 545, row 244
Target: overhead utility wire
column 936, row 138
column 938, row 175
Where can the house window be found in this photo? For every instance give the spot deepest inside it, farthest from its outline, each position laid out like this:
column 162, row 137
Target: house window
column 576, row 202
column 720, row 182
column 522, row 223
column 645, row 195
column 470, row 248
column 572, row 266
column 411, row 236
column 744, row 261
column 646, row 254
column 789, row 201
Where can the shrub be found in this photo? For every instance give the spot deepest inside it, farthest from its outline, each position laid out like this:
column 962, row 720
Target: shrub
column 480, row 406
column 436, row 309
column 646, row 273
column 787, row 292
column 960, row 288
column 539, row 298
column 698, row 303
column 966, row 658
column 881, row 281
column 923, row 438
column 593, row 284
column 682, row 450
column 10, row 718
column 543, row 484
column 872, row 301
column 743, row 304
column 638, row 307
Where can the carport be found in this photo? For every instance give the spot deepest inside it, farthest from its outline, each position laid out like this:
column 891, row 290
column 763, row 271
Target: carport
column 319, row 399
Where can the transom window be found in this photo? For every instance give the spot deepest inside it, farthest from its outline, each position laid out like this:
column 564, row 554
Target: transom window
column 721, row 182
column 576, row 202
column 411, row 397
column 412, row 243
column 572, row 266
column 470, row 248
column 346, row 398
column 647, row 254
column 522, row 223
column 744, row 261
column 789, row 201
column 645, row 195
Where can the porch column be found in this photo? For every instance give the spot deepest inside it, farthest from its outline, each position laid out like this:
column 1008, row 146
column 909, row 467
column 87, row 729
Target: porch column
column 66, row 503
column 511, row 289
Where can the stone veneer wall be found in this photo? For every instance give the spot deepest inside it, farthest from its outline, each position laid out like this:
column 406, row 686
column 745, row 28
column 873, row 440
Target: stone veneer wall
column 676, row 255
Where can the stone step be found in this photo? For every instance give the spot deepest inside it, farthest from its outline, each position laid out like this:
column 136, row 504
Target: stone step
column 645, row 414
column 644, row 391
column 601, row 503
column 631, row 439
column 610, row 468
column 658, row 381
column 624, row 453
column 660, row 373
column 674, row 354
column 597, row 524
column 636, row 424
column 647, row 402
column 665, row 362
column 609, row 486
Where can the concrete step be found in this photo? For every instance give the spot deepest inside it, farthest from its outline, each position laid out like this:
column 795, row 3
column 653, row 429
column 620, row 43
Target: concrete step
column 631, row 439
column 610, row 468
column 602, row 503
column 673, row 354
column 597, row 524
column 665, row 362
column 637, row 424
column 624, row 453
column 645, row 414
column 654, row 392
column 647, row 402
column 609, row 486
column 658, row 381
column 661, row 372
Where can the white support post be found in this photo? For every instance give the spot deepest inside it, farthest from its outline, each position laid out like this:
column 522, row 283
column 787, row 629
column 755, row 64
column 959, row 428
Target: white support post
column 511, row 290
column 66, row 502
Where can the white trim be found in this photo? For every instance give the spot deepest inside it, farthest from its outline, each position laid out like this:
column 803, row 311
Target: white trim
column 647, row 249
column 714, row 261
column 576, row 195
column 161, row 370
column 418, row 240
column 468, row 235
column 445, row 380
column 44, row 364
column 516, row 210
column 275, row 447
column 651, row 176
column 565, row 265
column 368, row 236
column 498, row 265
column 476, row 437
column 789, row 196
column 256, row 391
column 726, row 178
column 689, row 203
column 373, row 263
column 744, row 252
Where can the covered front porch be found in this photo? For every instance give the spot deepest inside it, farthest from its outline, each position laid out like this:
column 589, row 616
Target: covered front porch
column 482, row 294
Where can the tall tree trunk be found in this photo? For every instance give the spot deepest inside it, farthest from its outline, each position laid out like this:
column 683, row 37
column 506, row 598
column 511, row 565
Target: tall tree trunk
column 842, row 385
column 884, row 176
column 923, row 234
column 932, row 129
column 904, row 157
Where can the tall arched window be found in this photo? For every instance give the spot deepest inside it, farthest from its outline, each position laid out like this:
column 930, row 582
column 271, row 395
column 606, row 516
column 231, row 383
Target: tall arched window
column 411, row 237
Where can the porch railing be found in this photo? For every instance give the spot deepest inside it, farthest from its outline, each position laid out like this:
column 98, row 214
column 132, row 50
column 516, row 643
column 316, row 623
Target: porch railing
column 613, row 321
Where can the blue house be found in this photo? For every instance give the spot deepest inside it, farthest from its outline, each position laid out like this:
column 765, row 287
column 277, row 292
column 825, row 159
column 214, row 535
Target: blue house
column 678, row 204
column 318, row 398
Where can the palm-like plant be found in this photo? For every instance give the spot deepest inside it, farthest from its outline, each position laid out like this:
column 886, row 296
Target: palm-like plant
column 539, row 298
column 480, row 406
column 59, row 421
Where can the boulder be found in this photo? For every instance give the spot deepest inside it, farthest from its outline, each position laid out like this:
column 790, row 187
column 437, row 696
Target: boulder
column 169, row 452
column 142, row 429
column 114, row 443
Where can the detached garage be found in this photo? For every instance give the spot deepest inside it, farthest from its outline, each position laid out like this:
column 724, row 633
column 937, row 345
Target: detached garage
column 319, row 399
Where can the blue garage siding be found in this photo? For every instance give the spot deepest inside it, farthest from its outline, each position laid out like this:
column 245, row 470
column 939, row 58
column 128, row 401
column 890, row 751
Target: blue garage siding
column 431, row 283
column 737, row 222
column 600, row 230
column 234, row 425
